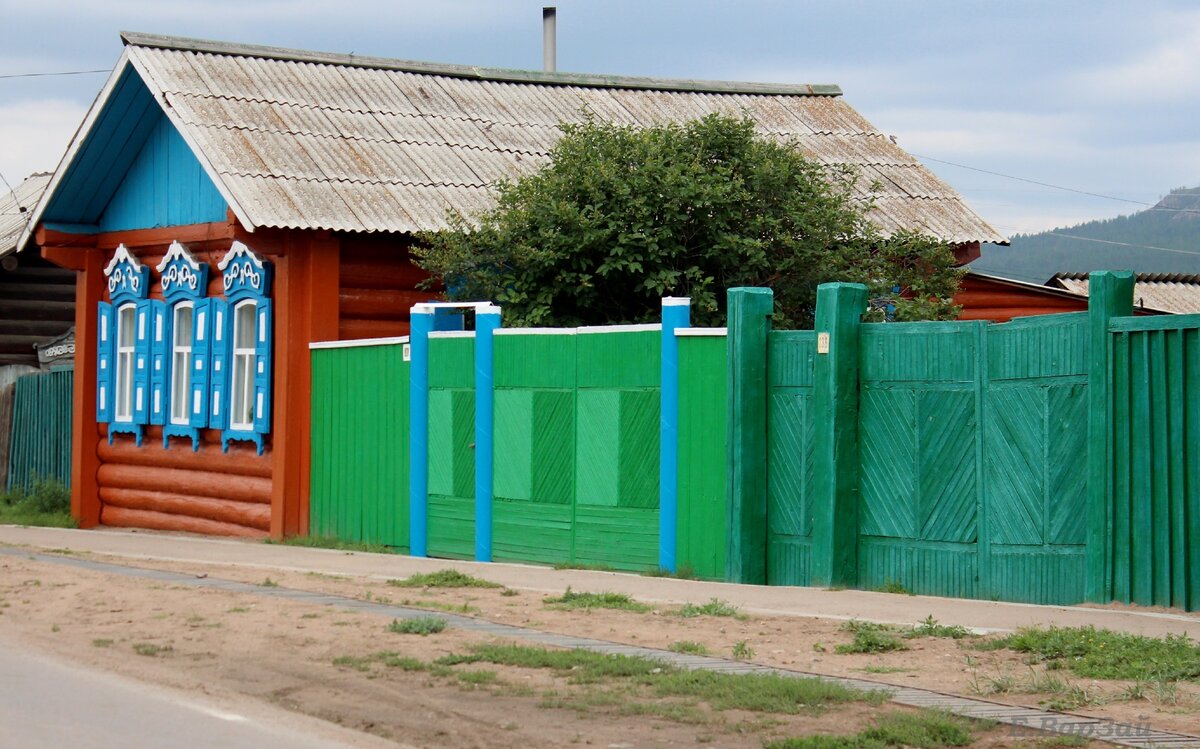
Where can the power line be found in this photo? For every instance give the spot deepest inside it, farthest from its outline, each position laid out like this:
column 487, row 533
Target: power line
column 63, row 72
column 1151, row 206
column 1125, row 244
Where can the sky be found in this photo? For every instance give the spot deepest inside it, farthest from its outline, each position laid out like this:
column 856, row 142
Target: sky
column 1100, row 97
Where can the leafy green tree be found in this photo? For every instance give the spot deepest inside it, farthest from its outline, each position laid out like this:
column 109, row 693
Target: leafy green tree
column 622, row 216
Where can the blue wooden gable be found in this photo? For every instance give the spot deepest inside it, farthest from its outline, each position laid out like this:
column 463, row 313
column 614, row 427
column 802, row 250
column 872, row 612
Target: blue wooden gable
column 132, row 171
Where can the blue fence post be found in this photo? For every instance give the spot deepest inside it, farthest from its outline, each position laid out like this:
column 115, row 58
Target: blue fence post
column 487, row 319
column 676, row 313
column 421, row 323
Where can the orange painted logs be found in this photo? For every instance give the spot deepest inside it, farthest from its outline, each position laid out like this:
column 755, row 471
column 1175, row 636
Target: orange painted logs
column 395, row 274
column 190, row 483
column 207, row 508
column 241, row 460
column 123, row 517
column 351, row 329
column 379, row 304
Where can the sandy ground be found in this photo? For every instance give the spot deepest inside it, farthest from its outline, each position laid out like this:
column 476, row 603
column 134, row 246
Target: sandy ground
column 238, row 646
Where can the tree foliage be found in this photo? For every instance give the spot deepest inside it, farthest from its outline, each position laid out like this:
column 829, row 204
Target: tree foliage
column 620, row 217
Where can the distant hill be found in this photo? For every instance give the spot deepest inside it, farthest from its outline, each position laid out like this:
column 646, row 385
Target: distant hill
column 1173, row 223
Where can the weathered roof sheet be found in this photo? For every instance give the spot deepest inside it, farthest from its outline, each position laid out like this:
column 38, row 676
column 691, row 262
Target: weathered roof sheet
column 12, row 218
column 311, row 140
column 1169, row 292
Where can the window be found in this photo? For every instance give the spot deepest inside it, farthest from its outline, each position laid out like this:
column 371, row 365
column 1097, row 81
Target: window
column 123, row 387
column 241, row 412
column 181, row 363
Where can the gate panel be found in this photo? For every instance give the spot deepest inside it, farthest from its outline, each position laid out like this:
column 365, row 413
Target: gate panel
column 451, row 439
column 790, row 434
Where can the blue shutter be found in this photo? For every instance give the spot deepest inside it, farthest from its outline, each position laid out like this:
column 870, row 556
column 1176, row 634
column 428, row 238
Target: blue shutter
column 105, row 343
column 262, row 368
column 142, row 324
column 160, row 362
column 221, row 348
column 201, row 346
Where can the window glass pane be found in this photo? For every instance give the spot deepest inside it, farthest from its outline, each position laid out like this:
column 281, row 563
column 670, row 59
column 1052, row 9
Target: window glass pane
column 245, row 326
column 124, row 374
column 183, row 326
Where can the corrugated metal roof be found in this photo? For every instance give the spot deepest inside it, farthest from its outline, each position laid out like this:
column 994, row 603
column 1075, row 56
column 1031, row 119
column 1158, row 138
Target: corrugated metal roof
column 311, row 140
column 1168, row 292
column 12, row 218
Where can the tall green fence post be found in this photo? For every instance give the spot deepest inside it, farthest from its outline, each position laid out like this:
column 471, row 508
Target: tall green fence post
column 749, row 311
column 1110, row 294
column 835, row 453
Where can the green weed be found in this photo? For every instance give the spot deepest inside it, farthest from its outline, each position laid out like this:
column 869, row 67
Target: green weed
column 477, row 678
column 583, row 566
column 443, row 579
column 688, row 647
column 927, row 729
column 870, row 637
column 764, row 693
column 886, row 669
column 331, row 542
column 742, row 651
column 1105, row 654
column 715, row 607
column 449, row 608
column 894, row 586
column 683, row 572
column 151, row 650
column 269, row 583
column 930, row 627
column 101, row 642
column 358, row 663
column 46, row 503
column 582, row 666
column 573, row 600
column 419, row 625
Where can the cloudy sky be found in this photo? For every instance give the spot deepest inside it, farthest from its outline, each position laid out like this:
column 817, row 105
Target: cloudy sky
column 1101, row 97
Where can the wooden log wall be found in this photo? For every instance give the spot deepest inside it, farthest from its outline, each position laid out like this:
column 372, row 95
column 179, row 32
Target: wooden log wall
column 377, row 287
column 37, row 303
column 176, row 489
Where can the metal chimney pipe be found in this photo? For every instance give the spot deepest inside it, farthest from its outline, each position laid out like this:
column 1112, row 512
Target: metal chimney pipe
column 549, row 41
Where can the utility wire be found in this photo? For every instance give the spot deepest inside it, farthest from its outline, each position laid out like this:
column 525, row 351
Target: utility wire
column 1125, row 244
column 1152, row 206
column 64, row 72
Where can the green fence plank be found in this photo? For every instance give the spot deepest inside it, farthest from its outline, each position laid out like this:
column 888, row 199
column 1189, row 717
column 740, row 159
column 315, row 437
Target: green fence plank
column 701, row 530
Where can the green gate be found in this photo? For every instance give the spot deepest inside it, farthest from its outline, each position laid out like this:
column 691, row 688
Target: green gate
column 40, row 443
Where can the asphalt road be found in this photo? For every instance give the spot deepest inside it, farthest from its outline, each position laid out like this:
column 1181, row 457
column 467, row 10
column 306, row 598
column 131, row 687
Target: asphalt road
column 45, row 702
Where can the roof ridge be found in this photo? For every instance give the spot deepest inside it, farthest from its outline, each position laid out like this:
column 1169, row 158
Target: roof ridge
column 159, row 41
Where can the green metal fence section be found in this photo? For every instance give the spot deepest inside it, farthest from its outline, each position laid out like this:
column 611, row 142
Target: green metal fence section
column 1154, row 483
column 451, row 444
column 40, row 446
column 359, row 484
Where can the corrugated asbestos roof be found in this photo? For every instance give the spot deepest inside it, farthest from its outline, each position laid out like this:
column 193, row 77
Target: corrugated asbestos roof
column 318, row 141
column 12, row 219
column 1168, row 292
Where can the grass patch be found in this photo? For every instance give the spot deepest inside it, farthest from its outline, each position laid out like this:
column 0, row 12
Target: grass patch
column 269, row 583
column 688, row 647
column 449, row 608
column 101, row 642
column 927, row 729
column 356, row 662
column 573, row 600
column 418, row 625
column 742, row 651
column 870, row 637
column 477, row 678
column 443, row 579
column 894, row 586
column 760, row 693
column 47, row 503
column 930, row 627
column 582, row 666
column 581, row 566
column 386, row 657
column 886, row 669
column 682, row 573
column 330, row 542
column 150, row 650
column 1104, row 654
column 715, row 607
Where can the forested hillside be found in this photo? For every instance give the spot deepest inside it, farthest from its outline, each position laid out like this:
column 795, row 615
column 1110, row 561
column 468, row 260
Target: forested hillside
column 1172, row 225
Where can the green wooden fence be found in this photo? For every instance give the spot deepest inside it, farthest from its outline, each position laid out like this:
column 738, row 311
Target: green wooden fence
column 1153, row 484
column 40, row 446
column 359, row 484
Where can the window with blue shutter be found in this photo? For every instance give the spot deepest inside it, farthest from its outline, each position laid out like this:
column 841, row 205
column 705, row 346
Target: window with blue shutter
column 104, row 362
column 123, row 347
column 185, row 349
column 244, row 390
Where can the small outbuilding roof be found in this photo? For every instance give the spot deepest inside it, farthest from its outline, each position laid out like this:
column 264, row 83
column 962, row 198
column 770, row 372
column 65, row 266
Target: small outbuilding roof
column 16, row 208
column 307, row 140
column 1176, row 293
